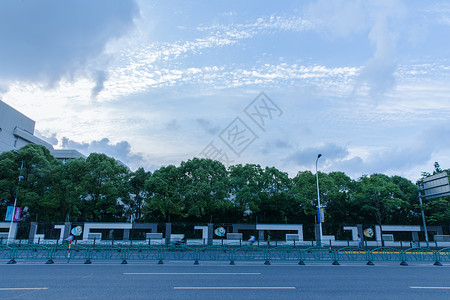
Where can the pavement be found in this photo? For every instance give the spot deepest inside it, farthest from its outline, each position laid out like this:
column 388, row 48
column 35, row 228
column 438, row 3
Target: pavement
column 218, row 280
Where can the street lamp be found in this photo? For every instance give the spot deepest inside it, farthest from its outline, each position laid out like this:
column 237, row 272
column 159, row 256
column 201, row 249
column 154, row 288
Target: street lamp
column 15, row 200
column 319, row 210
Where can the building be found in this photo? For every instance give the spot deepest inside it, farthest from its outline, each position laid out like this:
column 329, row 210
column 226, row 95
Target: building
column 17, row 130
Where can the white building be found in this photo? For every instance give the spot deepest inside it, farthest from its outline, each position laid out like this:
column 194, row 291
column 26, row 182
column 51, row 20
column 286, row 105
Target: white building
column 17, row 130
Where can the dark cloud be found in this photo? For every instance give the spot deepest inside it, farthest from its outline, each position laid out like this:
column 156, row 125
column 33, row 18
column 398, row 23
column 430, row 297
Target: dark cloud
column 208, row 126
column 48, row 39
column 378, row 76
column 120, row 151
column 173, row 125
column 397, row 159
column 282, row 144
column 52, row 139
column 100, row 77
column 390, row 160
column 306, row 157
column 273, row 145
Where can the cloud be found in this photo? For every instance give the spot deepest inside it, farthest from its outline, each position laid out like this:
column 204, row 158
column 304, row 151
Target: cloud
column 153, row 64
column 173, row 125
column 338, row 18
column 49, row 39
column 395, row 160
column 52, row 139
column 120, row 151
column 260, row 25
column 385, row 160
column 306, row 157
column 379, row 70
column 440, row 12
column 334, row 80
column 208, row 126
column 377, row 19
column 100, row 78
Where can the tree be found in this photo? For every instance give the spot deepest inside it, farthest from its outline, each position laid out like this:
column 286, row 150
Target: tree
column 409, row 212
column 205, row 188
column 245, row 188
column 36, row 179
column 305, row 196
column 336, row 192
column 437, row 168
column 165, row 196
column 9, row 173
column 67, row 190
column 103, row 188
column 378, row 199
column 277, row 205
column 138, row 195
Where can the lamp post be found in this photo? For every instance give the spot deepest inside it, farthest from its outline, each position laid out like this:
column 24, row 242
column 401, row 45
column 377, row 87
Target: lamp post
column 15, row 201
column 319, row 213
column 423, row 217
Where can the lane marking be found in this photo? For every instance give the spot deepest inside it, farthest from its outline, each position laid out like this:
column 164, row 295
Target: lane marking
column 20, row 289
column 234, row 288
column 431, row 287
column 191, row 273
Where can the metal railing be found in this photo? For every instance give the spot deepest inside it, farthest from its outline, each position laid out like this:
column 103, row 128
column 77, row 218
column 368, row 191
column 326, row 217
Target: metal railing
column 89, row 252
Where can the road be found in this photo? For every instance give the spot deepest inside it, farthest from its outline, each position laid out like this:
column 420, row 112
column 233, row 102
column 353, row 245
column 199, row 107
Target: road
column 183, row 280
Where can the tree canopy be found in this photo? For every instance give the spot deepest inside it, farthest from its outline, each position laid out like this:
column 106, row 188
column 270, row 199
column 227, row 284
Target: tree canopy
column 200, row 190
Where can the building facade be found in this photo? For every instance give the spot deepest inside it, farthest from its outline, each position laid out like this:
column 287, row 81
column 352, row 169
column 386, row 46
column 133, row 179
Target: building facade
column 17, row 130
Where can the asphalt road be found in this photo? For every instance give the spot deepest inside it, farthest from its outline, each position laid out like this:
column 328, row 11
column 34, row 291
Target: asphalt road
column 183, row 280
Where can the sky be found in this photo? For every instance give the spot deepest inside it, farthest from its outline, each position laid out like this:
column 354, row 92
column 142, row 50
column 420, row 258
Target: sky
column 364, row 83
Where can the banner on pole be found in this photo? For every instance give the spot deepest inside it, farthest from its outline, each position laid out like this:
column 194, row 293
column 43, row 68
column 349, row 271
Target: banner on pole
column 9, row 213
column 320, row 215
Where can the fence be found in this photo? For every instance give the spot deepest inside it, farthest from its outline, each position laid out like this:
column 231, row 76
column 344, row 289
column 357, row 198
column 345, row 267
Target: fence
column 160, row 253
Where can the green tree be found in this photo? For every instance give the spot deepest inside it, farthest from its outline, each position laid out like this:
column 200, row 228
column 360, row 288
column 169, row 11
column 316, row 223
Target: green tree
column 379, row 199
column 138, row 195
column 245, row 188
column 165, row 197
column 67, row 190
column 205, row 188
column 336, row 191
column 277, row 203
column 305, row 196
column 103, row 186
column 409, row 211
column 36, row 179
column 9, row 173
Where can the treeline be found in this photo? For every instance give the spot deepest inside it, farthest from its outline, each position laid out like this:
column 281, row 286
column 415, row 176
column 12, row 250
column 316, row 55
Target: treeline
column 99, row 189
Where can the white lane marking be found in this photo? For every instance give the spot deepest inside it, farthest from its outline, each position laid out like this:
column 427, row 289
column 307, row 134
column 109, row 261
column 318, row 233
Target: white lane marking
column 192, row 273
column 20, row 289
column 234, row 288
column 431, row 287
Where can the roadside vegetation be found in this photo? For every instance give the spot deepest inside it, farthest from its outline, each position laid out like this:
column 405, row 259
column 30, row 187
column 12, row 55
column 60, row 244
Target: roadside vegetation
column 99, row 189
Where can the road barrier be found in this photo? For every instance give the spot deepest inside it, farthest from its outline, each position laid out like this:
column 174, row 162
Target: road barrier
column 90, row 252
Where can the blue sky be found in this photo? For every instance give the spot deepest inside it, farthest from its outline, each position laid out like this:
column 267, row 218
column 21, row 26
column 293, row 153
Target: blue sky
column 152, row 83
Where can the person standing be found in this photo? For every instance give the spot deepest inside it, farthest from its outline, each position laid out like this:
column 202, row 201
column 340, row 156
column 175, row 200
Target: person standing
column 360, row 244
